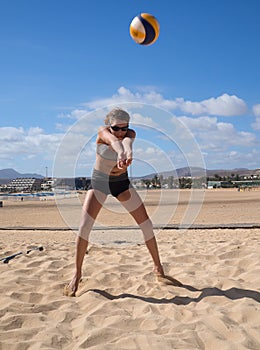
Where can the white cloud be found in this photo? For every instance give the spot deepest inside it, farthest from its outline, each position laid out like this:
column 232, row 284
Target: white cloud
column 224, row 105
column 10, row 134
column 217, row 135
column 80, row 114
column 256, row 124
column 233, row 159
column 138, row 118
column 122, row 95
column 28, row 143
column 149, row 158
column 148, row 151
column 256, row 110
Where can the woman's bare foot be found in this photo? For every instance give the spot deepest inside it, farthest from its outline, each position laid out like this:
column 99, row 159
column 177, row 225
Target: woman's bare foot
column 71, row 288
column 158, row 271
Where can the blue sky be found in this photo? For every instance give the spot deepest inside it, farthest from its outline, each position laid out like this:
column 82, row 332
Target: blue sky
column 64, row 63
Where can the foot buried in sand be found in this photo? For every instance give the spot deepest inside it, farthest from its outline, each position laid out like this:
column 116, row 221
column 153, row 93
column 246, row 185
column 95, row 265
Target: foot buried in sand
column 71, row 288
column 158, row 270
column 68, row 292
column 161, row 277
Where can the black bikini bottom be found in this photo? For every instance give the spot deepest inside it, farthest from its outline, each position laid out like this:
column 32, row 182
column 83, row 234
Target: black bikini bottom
column 109, row 184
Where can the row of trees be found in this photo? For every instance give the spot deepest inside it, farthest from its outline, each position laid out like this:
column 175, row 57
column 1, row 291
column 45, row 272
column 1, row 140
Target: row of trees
column 171, row 182
column 232, row 177
column 158, row 181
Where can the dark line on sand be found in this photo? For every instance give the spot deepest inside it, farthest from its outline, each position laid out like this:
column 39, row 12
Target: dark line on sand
column 161, row 227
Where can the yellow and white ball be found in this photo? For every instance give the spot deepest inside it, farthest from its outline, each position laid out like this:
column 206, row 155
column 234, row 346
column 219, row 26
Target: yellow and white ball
column 144, row 29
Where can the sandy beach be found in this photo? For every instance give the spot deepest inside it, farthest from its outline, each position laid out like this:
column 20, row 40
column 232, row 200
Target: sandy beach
column 120, row 303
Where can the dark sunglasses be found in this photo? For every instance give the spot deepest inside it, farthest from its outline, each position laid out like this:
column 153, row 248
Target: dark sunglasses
column 117, row 128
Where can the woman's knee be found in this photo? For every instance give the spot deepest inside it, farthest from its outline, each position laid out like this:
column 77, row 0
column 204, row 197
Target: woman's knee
column 86, row 224
column 147, row 229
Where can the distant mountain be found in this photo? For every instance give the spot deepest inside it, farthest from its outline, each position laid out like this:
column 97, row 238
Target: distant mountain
column 186, row 172
column 236, row 171
column 181, row 172
column 198, row 172
column 13, row 174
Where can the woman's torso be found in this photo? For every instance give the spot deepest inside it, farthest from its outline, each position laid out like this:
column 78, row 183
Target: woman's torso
column 106, row 159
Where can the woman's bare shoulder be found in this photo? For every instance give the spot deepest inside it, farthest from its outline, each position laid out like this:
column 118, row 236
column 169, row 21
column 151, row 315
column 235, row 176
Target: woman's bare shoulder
column 101, row 130
column 131, row 133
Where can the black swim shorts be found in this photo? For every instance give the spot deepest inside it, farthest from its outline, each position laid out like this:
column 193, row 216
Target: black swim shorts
column 109, row 184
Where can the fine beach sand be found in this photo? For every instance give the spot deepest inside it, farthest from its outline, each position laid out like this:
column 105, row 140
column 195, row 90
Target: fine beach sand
column 120, row 303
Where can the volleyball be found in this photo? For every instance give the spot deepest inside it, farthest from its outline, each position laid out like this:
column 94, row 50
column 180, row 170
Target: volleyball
column 144, row 29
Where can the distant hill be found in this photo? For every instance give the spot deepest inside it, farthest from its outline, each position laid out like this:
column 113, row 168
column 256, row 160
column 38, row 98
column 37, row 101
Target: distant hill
column 13, row 174
column 197, row 172
column 236, row 171
column 181, row 172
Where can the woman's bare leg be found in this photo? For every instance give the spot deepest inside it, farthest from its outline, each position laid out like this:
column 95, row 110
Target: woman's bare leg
column 93, row 203
column 133, row 203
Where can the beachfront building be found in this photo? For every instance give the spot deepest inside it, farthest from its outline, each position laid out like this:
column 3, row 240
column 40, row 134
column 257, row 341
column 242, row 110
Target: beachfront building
column 47, row 184
column 220, row 184
column 24, row 184
column 72, row 183
column 254, row 183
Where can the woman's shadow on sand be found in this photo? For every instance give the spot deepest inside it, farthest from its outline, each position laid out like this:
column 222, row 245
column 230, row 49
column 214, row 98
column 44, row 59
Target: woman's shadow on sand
column 231, row 293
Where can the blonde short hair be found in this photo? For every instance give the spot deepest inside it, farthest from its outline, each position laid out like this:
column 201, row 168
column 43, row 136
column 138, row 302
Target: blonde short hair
column 117, row 113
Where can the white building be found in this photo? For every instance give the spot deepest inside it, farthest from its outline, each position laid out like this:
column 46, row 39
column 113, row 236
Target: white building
column 25, row 184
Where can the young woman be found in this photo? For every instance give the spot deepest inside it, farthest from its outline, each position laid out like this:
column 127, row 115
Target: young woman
column 113, row 156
